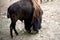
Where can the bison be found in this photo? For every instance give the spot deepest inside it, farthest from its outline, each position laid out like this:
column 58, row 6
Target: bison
column 24, row 10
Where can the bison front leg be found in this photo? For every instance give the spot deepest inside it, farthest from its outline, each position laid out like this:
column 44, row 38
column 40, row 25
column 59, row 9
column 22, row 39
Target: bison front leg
column 27, row 25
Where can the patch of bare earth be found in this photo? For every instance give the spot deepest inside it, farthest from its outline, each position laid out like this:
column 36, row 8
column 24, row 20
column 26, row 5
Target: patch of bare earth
column 50, row 24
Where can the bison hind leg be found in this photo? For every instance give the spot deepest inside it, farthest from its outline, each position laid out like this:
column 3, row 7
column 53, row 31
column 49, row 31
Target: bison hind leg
column 12, row 25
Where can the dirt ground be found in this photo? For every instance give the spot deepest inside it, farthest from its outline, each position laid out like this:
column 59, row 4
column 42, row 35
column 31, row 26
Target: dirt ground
column 50, row 24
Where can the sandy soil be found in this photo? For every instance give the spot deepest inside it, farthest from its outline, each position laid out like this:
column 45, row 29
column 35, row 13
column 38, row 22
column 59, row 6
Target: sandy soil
column 50, row 24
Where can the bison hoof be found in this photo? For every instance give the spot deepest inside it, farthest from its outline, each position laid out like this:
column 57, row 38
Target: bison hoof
column 29, row 31
column 12, row 37
column 35, row 31
column 16, row 34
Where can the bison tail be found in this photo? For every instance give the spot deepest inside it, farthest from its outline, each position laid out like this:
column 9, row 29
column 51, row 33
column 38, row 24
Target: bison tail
column 8, row 15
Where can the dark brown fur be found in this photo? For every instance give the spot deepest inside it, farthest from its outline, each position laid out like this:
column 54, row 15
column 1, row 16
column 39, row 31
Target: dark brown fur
column 21, row 10
column 24, row 10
